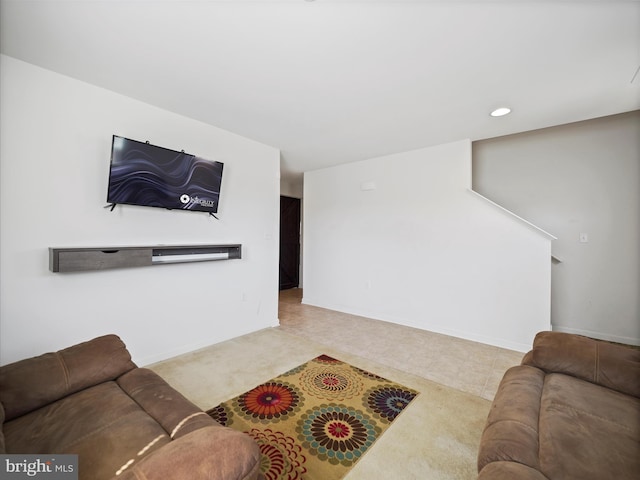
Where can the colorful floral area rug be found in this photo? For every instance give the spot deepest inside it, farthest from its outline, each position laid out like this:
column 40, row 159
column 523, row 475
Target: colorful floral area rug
column 316, row 421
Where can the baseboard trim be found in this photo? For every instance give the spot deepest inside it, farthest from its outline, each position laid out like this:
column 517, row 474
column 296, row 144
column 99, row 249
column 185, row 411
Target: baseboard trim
column 496, row 342
column 150, row 360
column 600, row 335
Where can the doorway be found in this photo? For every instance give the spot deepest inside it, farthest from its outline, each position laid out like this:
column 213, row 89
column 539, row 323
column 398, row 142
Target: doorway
column 289, row 242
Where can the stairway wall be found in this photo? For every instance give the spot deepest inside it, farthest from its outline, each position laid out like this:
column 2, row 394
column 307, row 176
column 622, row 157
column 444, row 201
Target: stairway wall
column 581, row 178
column 401, row 238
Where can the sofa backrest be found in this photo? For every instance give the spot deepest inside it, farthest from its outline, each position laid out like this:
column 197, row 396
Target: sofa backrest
column 613, row 366
column 32, row 383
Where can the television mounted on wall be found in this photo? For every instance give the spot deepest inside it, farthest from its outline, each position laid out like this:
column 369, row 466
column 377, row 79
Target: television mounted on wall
column 148, row 175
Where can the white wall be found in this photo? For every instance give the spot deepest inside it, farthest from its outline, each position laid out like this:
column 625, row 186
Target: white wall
column 573, row 179
column 422, row 250
column 291, row 187
column 55, row 150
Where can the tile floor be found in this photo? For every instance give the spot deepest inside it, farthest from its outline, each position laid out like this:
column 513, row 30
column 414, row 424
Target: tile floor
column 436, row 437
column 469, row 366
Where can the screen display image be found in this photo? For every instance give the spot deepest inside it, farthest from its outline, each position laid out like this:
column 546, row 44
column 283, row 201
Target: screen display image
column 148, row 175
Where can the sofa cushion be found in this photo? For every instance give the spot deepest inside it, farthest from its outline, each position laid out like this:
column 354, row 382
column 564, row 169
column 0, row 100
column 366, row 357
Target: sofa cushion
column 588, row 431
column 102, row 424
column 29, row 384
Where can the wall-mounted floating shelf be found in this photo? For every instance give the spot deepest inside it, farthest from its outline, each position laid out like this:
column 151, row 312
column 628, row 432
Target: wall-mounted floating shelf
column 102, row 258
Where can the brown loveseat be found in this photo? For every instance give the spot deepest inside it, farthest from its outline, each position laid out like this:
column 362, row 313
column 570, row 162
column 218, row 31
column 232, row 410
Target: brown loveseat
column 92, row 400
column 570, row 411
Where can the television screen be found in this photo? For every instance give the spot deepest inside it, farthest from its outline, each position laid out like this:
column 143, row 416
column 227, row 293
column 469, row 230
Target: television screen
column 148, row 175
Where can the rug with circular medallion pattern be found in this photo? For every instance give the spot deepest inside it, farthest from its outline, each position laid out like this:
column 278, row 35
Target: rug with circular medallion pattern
column 317, row 420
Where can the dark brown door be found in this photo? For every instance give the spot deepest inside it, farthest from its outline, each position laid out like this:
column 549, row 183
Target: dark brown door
column 289, row 242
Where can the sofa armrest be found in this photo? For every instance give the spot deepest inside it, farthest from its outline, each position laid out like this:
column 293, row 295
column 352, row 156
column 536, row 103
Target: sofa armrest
column 175, row 413
column 509, row 471
column 511, row 433
column 34, row 382
column 212, row 453
column 613, row 366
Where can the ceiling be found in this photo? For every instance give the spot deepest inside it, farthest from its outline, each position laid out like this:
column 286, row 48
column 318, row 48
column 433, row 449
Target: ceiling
column 335, row 81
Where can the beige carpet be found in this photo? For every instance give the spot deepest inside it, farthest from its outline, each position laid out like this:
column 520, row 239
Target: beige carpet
column 436, row 437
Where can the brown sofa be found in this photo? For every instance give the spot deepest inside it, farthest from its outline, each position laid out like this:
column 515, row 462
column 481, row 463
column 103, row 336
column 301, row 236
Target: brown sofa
column 571, row 410
column 122, row 421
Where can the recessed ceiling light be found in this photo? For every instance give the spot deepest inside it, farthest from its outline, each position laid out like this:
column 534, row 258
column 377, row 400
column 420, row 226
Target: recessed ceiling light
column 500, row 112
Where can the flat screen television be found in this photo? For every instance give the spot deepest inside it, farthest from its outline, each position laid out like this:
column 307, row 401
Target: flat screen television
column 152, row 176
